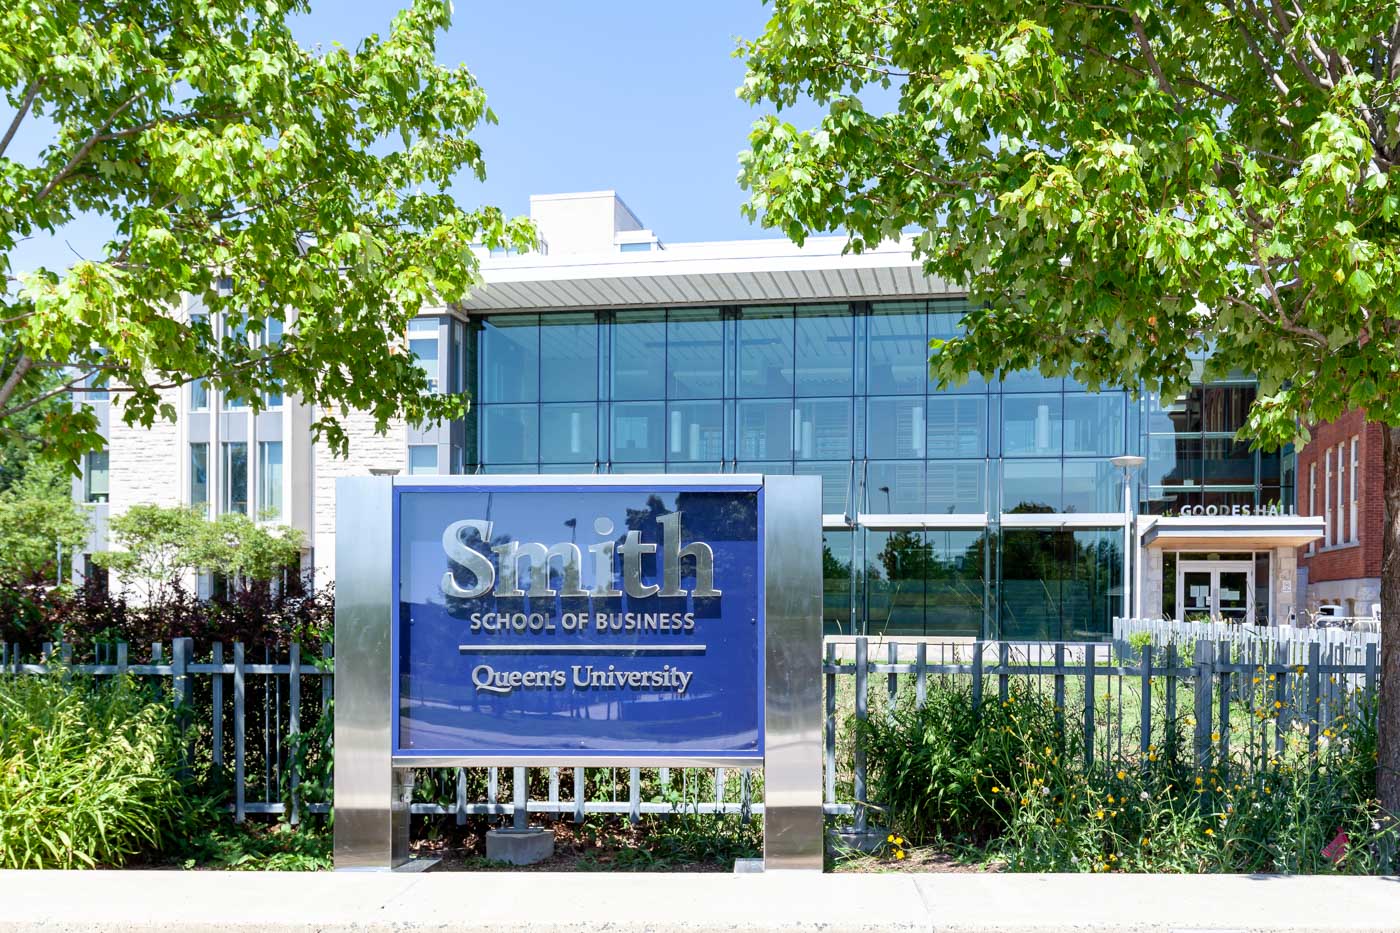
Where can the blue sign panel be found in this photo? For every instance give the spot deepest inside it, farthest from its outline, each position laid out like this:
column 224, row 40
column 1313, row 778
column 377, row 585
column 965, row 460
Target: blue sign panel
column 578, row 621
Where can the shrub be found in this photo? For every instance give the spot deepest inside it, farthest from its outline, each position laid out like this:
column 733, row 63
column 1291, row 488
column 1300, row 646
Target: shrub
column 88, row 773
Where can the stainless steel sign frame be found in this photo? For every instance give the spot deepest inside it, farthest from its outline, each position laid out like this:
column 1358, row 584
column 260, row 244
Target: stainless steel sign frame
column 373, row 783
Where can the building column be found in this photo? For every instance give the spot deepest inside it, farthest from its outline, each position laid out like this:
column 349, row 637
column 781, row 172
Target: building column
column 1283, row 586
column 1152, row 569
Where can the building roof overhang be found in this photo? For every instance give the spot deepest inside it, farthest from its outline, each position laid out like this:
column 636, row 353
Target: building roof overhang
column 1231, row 532
column 725, row 273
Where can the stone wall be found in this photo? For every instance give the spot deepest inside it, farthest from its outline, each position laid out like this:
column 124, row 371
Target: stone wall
column 370, row 452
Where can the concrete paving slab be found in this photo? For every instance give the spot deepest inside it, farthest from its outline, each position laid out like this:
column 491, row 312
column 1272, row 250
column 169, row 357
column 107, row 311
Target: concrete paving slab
column 367, row 902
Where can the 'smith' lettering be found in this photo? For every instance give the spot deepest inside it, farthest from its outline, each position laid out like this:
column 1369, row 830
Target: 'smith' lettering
column 570, row 561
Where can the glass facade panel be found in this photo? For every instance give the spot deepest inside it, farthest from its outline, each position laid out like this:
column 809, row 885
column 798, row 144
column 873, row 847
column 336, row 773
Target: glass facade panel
column 509, row 433
column 825, row 351
column 639, row 432
column 1032, row 425
column 509, row 359
column 96, row 476
column 765, row 353
column 694, row 354
column 842, row 392
column 639, row 355
column 897, row 349
column 568, row 357
column 569, row 433
column 422, row 459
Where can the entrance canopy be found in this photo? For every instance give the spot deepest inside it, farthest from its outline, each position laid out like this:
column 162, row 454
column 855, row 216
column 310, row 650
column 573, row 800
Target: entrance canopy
column 1231, row 532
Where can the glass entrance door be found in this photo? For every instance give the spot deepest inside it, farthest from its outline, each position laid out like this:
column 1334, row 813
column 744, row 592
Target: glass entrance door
column 1208, row 590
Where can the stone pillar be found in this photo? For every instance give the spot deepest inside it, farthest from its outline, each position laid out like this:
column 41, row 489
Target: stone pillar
column 1152, row 583
column 1283, row 586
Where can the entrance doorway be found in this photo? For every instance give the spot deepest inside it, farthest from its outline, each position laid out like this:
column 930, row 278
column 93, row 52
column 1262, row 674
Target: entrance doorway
column 1215, row 589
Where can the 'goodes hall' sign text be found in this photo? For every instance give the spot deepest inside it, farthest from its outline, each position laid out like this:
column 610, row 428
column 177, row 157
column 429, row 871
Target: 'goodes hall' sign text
column 579, row 621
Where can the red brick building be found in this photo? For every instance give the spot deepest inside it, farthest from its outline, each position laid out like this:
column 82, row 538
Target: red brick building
column 1340, row 478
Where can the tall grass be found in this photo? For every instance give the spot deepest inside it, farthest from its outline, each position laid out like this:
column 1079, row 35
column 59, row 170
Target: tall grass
column 1009, row 780
column 89, row 772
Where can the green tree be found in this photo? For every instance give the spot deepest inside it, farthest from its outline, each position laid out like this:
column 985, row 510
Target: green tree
column 37, row 514
column 1121, row 188
column 221, row 150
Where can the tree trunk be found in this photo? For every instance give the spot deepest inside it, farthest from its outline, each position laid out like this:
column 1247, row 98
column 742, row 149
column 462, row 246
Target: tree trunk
column 1388, row 717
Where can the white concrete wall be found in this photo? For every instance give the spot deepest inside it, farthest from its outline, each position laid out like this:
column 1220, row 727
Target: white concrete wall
column 369, row 452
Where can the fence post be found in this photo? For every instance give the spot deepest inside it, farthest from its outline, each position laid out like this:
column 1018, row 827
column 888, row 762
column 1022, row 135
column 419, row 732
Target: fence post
column 920, row 674
column 1369, row 688
column 183, row 693
column 891, row 681
column 66, row 653
column 216, row 690
column 1090, row 699
column 294, row 728
column 1145, row 739
column 519, row 799
column 830, row 737
column 1060, row 688
column 239, row 732
column 578, row 795
column 1003, row 679
column 1281, row 709
column 554, row 794
column 862, row 711
column 634, row 796
column 1223, row 665
column 1169, row 736
column 1314, row 675
column 977, row 676
column 1204, row 682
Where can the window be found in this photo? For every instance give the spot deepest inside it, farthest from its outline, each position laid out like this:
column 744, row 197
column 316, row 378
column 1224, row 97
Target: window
column 235, row 478
column 199, row 395
column 1312, row 497
column 269, row 479
column 568, row 432
column 568, row 358
column 422, row 459
column 694, row 355
column 95, row 577
column 510, row 359
column 510, row 433
column 1032, row 425
column 897, row 349
column 199, row 475
column 1355, row 488
column 1338, row 537
column 272, row 337
column 825, row 354
column 95, row 476
column 423, row 344
column 766, row 353
column 1327, row 538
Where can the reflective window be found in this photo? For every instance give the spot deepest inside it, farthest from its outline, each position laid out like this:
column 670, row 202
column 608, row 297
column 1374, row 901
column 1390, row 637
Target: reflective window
column 96, row 476
column 422, row 459
column 1092, row 486
column 1227, row 462
column 569, row 433
column 765, row 429
column 272, row 337
column 235, row 477
column 695, row 354
column 509, row 433
column 895, row 487
column 509, row 358
column 199, row 476
column 956, row 487
column 945, row 323
column 1058, row 584
column 825, row 350
column 199, row 395
column 822, row 429
column 639, row 355
column 957, row 426
column 1029, row 486
column 1225, row 409
column 837, row 616
column 639, row 431
column 568, row 357
column 696, row 431
column 836, row 482
column 924, row 583
column 897, row 349
column 765, row 353
column 1031, row 425
column 1094, row 424
column 269, row 479
column 895, row 427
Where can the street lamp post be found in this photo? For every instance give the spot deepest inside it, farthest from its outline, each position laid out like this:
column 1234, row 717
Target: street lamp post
column 1128, row 463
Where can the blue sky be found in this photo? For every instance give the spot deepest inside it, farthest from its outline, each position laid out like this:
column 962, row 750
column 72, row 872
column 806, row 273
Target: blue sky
column 634, row 96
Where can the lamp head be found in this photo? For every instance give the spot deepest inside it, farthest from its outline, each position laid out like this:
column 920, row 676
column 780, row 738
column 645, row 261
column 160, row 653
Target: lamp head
column 1127, row 461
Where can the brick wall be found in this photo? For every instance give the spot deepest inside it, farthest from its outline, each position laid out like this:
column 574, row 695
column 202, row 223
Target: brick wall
column 1343, row 560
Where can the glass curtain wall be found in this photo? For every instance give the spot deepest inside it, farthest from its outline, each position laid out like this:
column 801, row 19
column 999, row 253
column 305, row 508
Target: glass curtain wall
column 842, row 391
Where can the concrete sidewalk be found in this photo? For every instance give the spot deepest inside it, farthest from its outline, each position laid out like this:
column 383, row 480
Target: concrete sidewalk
column 195, row 902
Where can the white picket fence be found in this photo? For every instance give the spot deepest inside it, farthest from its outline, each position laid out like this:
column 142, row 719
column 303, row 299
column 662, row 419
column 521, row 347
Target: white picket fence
column 1340, row 645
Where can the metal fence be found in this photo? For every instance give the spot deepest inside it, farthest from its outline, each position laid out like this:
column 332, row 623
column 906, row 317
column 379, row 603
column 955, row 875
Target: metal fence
column 1123, row 699
column 1341, row 644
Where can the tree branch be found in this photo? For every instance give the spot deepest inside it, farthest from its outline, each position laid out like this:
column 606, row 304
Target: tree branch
column 16, row 376
column 82, row 152
column 30, row 93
